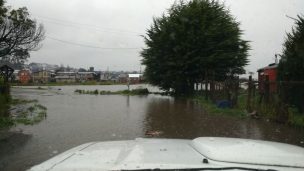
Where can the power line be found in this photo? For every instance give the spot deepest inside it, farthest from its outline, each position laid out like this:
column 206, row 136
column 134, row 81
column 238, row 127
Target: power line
column 64, row 23
column 89, row 46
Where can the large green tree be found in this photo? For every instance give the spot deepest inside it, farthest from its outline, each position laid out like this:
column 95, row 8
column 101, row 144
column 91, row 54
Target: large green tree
column 291, row 66
column 194, row 40
column 19, row 34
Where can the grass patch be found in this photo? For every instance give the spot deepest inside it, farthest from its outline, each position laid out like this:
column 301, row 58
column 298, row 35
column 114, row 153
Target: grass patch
column 4, row 104
column 295, row 118
column 6, row 122
column 31, row 109
column 213, row 109
column 39, row 106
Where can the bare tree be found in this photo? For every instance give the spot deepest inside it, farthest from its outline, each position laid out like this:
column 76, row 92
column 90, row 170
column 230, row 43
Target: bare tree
column 19, row 34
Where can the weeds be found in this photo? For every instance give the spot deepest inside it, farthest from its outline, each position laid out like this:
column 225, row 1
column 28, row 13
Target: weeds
column 138, row 91
column 27, row 112
column 32, row 115
column 22, row 101
column 6, row 122
column 213, row 109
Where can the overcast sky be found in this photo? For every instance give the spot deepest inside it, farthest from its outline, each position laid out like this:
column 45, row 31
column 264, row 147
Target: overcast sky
column 106, row 33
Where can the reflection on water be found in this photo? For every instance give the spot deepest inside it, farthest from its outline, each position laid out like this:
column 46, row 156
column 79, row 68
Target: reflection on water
column 75, row 119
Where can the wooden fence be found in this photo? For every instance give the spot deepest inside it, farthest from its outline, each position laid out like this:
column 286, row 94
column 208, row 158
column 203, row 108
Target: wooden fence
column 257, row 93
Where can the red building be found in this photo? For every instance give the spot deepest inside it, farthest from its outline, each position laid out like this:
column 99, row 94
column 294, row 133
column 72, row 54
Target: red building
column 24, row 76
column 271, row 72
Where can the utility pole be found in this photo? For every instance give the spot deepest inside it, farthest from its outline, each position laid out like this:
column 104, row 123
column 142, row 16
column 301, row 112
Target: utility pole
column 276, row 58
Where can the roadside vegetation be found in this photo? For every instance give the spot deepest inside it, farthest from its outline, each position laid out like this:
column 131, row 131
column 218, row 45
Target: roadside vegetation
column 212, row 108
column 273, row 111
column 5, row 100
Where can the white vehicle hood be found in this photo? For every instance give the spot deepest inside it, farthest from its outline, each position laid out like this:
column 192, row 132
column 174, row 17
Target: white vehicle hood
column 177, row 154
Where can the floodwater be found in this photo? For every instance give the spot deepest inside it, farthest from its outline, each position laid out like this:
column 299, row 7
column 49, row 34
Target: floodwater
column 74, row 119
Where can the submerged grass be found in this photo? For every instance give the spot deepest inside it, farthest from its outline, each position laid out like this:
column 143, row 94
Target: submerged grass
column 138, row 91
column 27, row 112
column 34, row 114
column 68, row 83
column 22, row 101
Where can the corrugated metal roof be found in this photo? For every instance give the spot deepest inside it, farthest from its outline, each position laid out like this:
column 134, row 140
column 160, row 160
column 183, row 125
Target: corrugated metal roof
column 135, row 75
column 268, row 67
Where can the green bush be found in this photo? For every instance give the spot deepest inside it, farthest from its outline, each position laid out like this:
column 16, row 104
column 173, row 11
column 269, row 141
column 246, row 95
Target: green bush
column 140, row 91
column 295, row 118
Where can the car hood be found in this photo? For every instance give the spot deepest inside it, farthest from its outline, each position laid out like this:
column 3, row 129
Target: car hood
column 145, row 153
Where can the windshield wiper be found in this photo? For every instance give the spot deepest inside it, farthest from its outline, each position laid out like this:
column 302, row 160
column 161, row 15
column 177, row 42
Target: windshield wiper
column 207, row 168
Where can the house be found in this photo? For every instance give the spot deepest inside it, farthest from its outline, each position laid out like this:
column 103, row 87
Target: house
column 15, row 76
column 24, row 76
column 134, row 78
column 41, row 76
column 123, row 78
column 85, row 76
column 67, row 77
column 271, row 72
column 104, row 76
column 91, row 69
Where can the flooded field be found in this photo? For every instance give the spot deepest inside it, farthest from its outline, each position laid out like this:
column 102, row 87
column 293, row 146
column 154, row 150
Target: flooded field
column 74, row 119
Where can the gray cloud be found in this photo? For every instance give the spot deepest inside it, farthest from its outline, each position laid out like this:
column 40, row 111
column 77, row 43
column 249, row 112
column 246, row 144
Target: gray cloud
column 118, row 24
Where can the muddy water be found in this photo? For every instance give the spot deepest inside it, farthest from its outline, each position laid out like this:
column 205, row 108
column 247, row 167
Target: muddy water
column 74, row 119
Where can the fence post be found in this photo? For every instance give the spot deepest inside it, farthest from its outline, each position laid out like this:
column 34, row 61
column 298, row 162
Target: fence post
column 253, row 89
column 206, row 86
column 212, row 96
column 236, row 91
column 248, row 106
column 266, row 89
column 227, row 89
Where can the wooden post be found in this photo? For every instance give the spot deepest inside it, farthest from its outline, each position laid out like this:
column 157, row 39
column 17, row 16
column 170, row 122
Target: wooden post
column 266, row 89
column 206, row 90
column 227, row 89
column 206, row 86
column 236, row 91
column 212, row 86
column 253, row 94
column 253, row 89
column 249, row 108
